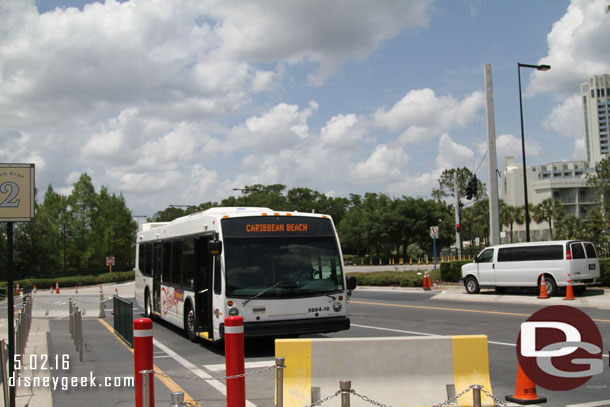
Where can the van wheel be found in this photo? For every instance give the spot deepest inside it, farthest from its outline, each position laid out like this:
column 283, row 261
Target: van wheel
column 189, row 322
column 471, row 285
column 551, row 286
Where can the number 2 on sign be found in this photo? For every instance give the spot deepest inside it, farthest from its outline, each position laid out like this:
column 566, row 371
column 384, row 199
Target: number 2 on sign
column 12, row 189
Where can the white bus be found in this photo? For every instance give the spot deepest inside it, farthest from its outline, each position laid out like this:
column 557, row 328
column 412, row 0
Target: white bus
column 281, row 271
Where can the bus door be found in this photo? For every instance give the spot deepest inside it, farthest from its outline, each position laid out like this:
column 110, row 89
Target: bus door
column 157, row 264
column 203, row 286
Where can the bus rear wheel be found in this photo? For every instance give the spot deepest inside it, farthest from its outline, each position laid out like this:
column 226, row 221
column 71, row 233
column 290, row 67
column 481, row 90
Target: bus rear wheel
column 148, row 305
column 189, row 322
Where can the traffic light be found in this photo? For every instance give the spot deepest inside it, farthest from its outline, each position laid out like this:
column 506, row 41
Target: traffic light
column 457, row 228
column 471, row 188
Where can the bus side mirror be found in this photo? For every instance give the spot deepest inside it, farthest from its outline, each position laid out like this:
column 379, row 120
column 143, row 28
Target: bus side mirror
column 351, row 283
column 215, row 247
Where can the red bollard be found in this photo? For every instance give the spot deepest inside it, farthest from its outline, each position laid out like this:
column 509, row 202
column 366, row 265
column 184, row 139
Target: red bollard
column 143, row 358
column 234, row 357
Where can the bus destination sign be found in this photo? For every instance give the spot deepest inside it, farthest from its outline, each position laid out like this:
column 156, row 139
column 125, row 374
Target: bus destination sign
column 276, row 226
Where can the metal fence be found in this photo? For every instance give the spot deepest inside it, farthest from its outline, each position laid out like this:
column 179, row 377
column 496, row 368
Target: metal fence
column 123, row 318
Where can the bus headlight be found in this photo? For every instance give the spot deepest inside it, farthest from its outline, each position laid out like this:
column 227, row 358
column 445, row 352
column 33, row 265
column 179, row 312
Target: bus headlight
column 233, row 312
column 337, row 307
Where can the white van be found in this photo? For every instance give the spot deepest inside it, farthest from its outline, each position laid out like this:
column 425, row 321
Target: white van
column 522, row 265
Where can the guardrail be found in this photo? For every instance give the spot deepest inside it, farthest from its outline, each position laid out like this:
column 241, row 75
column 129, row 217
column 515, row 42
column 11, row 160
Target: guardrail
column 123, row 319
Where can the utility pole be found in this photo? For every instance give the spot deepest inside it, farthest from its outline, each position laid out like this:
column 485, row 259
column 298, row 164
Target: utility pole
column 456, row 193
column 494, row 208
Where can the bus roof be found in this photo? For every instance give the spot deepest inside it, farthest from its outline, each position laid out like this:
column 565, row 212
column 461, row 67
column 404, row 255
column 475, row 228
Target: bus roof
column 205, row 220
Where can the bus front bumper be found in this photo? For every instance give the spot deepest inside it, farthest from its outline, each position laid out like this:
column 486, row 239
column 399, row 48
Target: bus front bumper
column 293, row 327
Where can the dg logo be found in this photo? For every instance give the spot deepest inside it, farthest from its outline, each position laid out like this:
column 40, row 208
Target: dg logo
column 560, row 348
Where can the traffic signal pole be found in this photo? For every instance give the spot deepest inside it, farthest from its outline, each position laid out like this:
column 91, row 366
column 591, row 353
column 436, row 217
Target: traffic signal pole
column 456, row 193
column 494, row 208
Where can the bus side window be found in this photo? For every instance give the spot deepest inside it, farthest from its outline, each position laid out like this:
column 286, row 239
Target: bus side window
column 188, row 264
column 166, row 270
column 177, row 263
column 217, row 276
column 149, row 260
column 142, row 258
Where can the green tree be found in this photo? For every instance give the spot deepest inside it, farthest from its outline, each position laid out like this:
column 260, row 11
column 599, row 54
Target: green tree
column 600, row 182
column 414, row 252
column 570, row 227
column 446, row 188
column 509, row 215
column 548, row 211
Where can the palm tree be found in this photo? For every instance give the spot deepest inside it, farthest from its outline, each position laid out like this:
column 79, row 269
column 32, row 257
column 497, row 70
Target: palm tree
column 509, row 215
column 570, row 228
column 548, row 210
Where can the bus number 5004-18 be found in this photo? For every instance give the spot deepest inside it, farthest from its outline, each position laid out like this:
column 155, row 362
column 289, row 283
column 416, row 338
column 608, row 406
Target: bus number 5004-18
column 319, row 309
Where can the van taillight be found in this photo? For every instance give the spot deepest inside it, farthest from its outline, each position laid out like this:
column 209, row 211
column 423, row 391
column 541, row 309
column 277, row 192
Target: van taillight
column 568, row 254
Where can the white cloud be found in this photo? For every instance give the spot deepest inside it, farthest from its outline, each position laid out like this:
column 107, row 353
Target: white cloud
column 508, row 145
column 343, row 131
column 452, row 154
column 420, row 114
column 325, row 33
column 382, row 166
column 578, row 48
column 567, row 118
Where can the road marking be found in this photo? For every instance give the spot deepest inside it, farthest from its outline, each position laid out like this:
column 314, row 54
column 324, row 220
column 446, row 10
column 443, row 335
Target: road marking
column 200, row 373
column 429, row 334
column 591, row 404
column 169, row 383
column 248, row 365
column 475, row 311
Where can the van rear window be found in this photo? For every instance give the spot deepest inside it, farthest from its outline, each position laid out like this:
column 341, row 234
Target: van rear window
column 531, row 253
column 590, row 249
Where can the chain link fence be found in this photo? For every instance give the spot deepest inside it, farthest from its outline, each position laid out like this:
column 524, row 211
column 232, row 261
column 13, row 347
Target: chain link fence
column 345, row 390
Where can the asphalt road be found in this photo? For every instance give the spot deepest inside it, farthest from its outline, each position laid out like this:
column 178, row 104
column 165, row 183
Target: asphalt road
column 374, row 314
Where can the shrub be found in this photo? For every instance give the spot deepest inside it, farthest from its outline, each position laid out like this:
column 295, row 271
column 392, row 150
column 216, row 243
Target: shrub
column 410, row 278
column 452, row 271
column 71, row 281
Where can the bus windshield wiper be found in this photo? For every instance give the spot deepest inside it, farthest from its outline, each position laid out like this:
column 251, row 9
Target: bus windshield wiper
column 282, row 284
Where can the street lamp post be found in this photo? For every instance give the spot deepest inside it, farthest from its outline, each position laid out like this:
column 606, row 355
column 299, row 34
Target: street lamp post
column 527, row 212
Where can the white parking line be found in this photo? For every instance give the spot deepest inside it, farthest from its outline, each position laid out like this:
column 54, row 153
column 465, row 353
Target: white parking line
column 248, row 365
column 198, row 372
column 591, row 404
column 428, row 334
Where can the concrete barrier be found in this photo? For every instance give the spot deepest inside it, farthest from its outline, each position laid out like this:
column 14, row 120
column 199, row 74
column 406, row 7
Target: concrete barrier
column 56, row 305
column 397, row 371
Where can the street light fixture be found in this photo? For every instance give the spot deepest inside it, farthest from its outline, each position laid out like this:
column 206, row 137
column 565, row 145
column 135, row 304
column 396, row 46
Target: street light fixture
column 527, row 212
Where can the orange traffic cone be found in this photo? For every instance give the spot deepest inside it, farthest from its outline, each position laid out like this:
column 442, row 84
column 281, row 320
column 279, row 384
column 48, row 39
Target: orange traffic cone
column 116, row 291
column 34, row 288
column 543, row 294
column 51, row 290
column 427, row 285
column 56, row 287
column 569, row 289
column 17, row 290
column 76, row 289
column 101, row 289
column 525, row 390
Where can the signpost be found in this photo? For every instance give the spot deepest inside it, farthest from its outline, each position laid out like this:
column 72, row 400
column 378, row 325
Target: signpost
column 110, row 262
column 434, row 235
column 16, row 205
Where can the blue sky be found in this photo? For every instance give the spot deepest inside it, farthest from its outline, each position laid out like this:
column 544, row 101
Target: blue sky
column 180, row 102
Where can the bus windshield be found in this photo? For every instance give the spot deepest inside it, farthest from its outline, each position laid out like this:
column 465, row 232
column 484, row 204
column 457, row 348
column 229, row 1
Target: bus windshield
column 270, row 267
